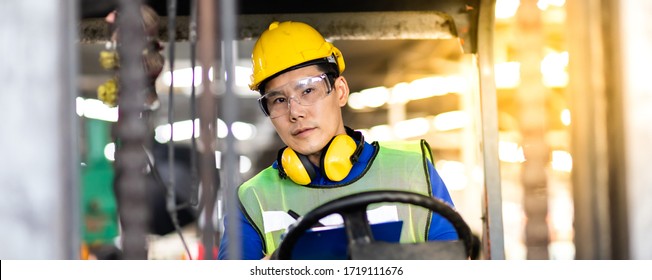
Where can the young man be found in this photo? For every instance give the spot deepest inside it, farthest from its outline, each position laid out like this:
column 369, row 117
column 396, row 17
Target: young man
column 297, row 73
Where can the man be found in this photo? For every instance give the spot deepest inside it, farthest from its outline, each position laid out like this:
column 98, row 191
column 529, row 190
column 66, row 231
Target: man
column 297, row 73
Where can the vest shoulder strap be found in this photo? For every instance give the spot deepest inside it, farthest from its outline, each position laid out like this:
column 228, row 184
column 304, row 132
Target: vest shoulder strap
column 418, row 146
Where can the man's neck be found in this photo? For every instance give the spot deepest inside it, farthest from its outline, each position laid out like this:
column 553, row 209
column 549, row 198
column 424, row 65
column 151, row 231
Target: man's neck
column 315, row 158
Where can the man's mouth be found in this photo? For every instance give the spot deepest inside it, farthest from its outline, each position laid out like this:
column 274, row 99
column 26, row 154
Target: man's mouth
column 300, row 131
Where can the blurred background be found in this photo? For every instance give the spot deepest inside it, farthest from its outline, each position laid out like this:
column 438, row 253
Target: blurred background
column 543, row 102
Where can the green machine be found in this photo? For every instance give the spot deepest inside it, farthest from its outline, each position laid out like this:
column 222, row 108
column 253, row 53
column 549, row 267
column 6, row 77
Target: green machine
column 99, row 210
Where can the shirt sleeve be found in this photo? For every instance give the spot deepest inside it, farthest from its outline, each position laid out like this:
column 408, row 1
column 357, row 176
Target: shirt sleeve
column 252, row 246
column 440, row 228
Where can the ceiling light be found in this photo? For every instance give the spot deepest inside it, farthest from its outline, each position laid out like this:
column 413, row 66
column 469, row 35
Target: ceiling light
column 451, row 120
column 96, row 109
column 411, row 128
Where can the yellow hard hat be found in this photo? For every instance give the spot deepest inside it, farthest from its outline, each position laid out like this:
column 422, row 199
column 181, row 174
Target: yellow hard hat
column 287, row 44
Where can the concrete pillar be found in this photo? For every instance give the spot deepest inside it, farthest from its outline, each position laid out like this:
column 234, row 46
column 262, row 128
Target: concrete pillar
column 39, row 200
column 636, row 56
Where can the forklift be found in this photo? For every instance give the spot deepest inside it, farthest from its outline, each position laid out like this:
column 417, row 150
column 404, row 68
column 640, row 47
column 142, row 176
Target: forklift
column 470, row 22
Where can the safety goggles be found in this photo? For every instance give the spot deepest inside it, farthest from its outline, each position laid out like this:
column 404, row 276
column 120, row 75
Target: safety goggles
column 305, row 92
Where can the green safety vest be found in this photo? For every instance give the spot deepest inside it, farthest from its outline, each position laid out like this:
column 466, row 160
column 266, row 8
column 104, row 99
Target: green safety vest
column 388, row 169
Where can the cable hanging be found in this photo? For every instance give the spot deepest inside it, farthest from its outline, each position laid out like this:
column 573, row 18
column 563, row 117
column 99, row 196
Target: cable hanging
column 194, row 196
column 171, row 205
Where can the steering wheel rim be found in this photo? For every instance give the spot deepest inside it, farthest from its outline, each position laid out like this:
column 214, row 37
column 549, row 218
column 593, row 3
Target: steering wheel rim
column 353, row 211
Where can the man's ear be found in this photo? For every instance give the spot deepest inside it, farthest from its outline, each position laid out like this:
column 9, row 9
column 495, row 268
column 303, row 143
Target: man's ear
column 342, row 90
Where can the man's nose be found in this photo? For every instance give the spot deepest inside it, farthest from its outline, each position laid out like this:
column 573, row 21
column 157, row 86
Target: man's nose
column 294, row 110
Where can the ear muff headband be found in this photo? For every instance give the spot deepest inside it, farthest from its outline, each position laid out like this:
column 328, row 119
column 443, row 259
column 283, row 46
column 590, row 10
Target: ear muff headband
column 337, row 159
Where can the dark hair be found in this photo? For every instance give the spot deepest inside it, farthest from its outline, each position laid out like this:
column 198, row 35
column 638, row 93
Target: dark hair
column 331, row 70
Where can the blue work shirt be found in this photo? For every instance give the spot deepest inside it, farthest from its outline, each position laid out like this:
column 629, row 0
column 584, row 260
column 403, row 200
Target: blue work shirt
column 252, row 245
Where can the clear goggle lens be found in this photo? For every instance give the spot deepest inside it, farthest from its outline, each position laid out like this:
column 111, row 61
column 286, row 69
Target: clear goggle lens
column 305, row 92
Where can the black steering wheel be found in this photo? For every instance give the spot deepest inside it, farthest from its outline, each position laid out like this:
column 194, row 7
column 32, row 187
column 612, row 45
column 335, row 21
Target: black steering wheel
column 353, row 210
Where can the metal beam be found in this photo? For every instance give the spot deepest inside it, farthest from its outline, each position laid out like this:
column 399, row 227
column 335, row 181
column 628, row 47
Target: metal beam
column 493, row 236
column 132, row 133
column 230, row 113
column 358, row 25
column 589, row 145
column 207, row 121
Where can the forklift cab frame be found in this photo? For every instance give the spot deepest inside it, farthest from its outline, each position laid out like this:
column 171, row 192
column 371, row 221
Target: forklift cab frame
column 469, row 21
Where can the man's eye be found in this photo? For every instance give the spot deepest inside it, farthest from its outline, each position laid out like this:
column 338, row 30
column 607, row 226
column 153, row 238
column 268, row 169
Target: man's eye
column 278, row 100
column 308, row 91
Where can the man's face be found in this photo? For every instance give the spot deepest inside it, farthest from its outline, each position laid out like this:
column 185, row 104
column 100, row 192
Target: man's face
column 308, row 128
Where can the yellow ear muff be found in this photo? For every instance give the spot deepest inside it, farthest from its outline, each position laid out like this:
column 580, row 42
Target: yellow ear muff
column 294, row 168
column 336, row 161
